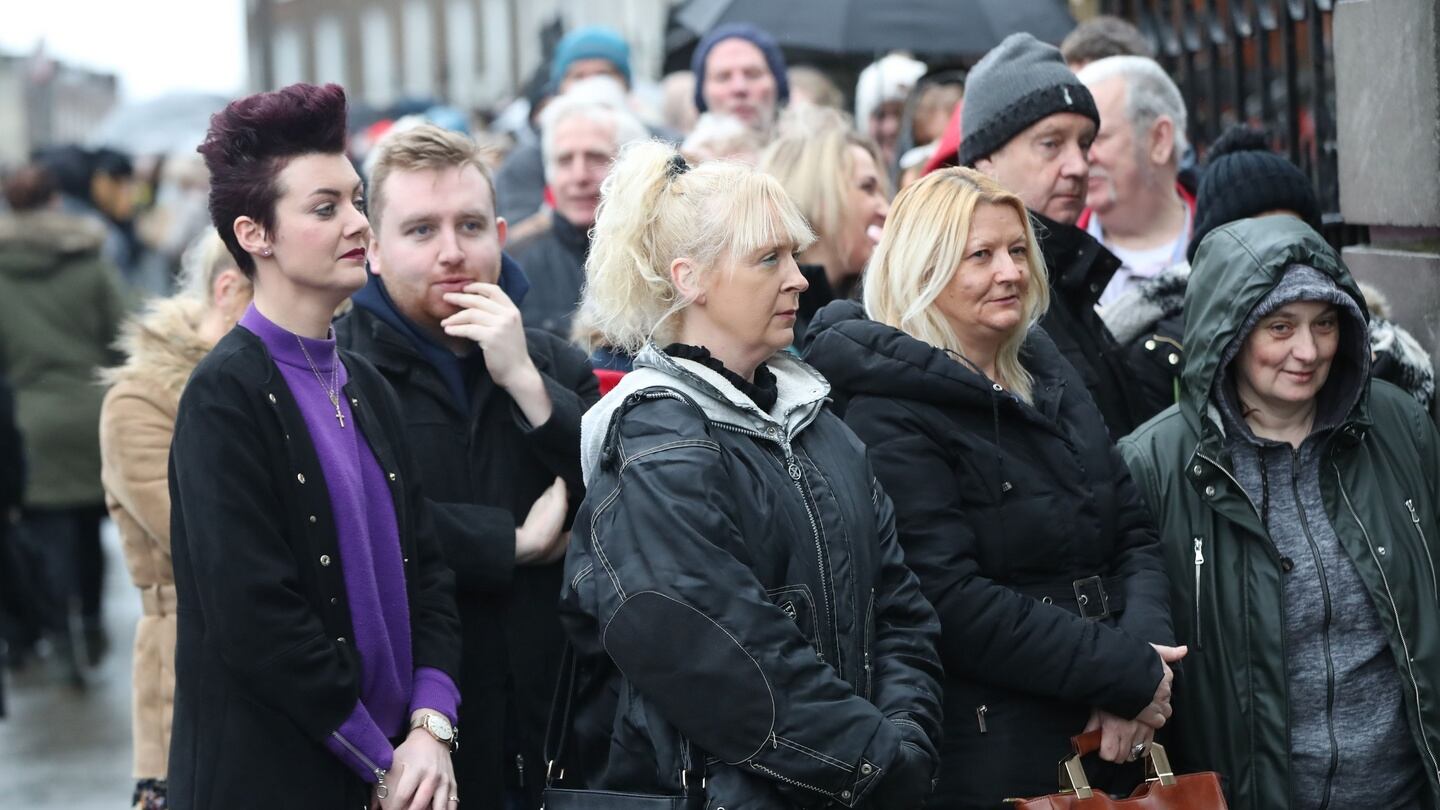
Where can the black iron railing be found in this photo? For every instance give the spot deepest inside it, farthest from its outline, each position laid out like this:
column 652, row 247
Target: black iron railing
column 1268, row 63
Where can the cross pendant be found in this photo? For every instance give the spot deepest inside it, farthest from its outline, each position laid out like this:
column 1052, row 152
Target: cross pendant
column 339, row 416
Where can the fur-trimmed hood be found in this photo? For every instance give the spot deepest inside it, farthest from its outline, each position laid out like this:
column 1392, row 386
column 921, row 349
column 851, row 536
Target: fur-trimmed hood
column 162, row 345
column 1146, row 304
column 37, row 242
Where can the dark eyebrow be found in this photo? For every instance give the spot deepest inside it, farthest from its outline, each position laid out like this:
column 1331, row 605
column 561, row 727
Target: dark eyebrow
column 330, row 192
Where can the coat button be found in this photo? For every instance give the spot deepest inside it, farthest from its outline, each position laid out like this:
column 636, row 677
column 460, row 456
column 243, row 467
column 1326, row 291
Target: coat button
column 312, row 518
column 355, row 402
column 334, row 600
column 325, row 559
column 1197, row 469
column 1209, row 492
column 272, row 398
column 866, row 769
column 1174, row 359
column 845, row 794
column 996, row 387
column 300, row 477
column 405, row 560
column 341, row 639
column 1381, row 551
column 1149, row 345
column 392, row 476
column 1287, row 565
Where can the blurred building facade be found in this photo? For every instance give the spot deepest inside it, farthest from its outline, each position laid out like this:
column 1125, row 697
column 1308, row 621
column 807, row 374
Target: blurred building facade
column 470, row 53
column 45, row 102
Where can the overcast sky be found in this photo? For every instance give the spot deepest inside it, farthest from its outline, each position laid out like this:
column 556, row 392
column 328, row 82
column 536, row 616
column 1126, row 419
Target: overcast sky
column 156, row 46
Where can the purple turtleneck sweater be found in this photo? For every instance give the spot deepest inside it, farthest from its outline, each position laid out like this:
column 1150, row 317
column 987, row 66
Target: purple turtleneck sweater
column 369, row 542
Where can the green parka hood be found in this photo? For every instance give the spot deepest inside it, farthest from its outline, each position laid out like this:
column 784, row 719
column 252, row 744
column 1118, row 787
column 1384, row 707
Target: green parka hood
column 1235, row 268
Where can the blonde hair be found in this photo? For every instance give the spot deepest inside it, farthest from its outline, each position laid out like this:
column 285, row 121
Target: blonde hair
column 422, row 148
column 652, row 213
column 813, row 161
column 921, row 250
column 202, row 263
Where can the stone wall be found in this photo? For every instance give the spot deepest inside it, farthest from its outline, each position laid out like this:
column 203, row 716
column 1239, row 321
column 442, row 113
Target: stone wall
column 1387, row 87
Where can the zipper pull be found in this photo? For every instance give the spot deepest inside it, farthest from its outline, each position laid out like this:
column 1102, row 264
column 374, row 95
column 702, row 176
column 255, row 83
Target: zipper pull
column 1414, row 516
column 1199, row 551
column 793, row 468
column 980, row 718
column 381, row 791
column 520, row 768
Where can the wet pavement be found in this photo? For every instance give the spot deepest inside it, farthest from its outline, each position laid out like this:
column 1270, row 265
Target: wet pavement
column 65, row 748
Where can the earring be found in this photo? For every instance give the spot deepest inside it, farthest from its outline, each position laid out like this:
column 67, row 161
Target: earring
column 265, row 252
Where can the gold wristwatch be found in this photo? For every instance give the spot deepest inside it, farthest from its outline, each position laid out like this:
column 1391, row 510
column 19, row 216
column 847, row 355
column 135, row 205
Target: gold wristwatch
column 438, row 726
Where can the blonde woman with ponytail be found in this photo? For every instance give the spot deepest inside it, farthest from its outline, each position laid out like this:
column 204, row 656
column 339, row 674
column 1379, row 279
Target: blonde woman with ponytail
column 1013, row 507
column 745, row 631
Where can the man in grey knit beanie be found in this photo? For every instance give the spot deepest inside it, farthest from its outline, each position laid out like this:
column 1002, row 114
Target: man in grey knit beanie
column 1028, row 122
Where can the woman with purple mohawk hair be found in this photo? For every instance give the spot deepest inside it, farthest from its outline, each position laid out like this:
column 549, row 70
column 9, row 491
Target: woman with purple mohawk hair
column 317, row 644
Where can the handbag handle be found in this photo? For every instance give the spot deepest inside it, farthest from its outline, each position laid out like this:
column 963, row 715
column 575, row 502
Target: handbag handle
column 1072, row 773
column 557, row 728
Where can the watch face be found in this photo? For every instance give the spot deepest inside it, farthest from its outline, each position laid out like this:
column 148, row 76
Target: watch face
column 440, row 727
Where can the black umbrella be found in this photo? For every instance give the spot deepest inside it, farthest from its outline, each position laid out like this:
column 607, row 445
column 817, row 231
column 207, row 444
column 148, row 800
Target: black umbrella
column 960, row 27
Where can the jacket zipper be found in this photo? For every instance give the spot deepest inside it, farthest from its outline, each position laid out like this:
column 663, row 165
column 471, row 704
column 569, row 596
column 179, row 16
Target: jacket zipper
column 1325, row 629
column 1199, row 561
column 381, row 791
column 1415, row 519
column 1399, row 628
column 797, row 475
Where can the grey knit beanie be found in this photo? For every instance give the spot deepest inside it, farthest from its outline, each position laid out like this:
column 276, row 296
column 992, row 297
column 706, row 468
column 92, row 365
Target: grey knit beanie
column 1017, row 83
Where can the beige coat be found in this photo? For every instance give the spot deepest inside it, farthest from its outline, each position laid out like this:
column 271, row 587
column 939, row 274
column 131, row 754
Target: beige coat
column 136, row 424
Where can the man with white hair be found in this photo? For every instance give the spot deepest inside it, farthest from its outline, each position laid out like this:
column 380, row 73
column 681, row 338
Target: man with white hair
column 581, row 132
column 1140, row 211
column 1137, row 208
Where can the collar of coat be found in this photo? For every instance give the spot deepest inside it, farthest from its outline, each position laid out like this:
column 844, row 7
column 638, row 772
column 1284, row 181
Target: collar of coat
column 162, row 345
column 1080, row 267
column 801, row 391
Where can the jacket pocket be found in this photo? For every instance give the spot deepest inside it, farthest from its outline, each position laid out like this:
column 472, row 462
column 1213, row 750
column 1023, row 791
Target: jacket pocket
column 1424, row 546
column 798, row 603
column 867, row 659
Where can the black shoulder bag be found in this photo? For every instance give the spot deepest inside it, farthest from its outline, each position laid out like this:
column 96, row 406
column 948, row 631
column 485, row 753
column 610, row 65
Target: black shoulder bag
column 557, row 728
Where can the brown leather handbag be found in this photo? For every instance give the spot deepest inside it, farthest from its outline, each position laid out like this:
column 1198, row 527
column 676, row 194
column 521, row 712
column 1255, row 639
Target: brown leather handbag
column 1162, row 790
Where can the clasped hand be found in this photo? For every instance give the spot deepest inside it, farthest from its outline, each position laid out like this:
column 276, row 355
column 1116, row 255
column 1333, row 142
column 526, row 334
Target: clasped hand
column 1118, row 736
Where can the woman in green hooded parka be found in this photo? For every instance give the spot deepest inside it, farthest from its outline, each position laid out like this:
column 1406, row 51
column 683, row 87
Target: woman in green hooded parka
column 1297, row 501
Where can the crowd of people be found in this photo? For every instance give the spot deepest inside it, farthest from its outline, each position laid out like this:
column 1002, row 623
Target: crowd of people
column 759, row 456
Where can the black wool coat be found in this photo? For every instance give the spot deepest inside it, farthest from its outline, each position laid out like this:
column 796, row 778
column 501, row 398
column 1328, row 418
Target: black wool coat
column 263, row 670
column 1080, row 268
column 999, row 505
column 554, row 259
column 483, row 467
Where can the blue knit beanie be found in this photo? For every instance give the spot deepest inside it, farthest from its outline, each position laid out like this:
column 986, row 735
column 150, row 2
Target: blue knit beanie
column 752, row 35
column 591, row 42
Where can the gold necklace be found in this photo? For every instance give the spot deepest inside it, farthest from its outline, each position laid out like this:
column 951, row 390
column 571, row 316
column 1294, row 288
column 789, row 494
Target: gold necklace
column 333, row 389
